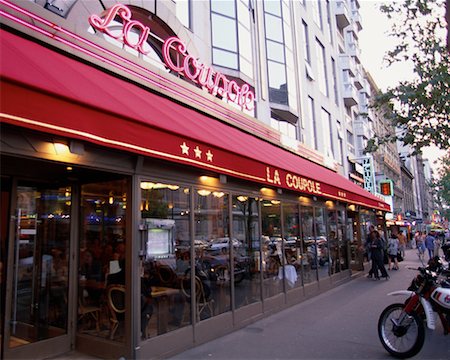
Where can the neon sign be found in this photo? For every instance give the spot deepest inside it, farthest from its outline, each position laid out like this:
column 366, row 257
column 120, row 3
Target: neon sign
column 191, row 68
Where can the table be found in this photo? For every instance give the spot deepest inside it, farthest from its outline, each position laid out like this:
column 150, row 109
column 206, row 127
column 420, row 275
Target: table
column 162, row 295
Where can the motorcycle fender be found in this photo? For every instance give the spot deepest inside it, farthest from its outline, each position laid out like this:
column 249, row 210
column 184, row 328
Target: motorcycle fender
column 401, row 292
column 431, row 319
column 429, row 313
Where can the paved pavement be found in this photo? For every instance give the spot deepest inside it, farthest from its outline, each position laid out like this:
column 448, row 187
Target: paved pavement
column 338, row 324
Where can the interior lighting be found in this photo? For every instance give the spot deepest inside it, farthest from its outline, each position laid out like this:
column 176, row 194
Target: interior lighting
column 61, row 148
column 275, row 202
column 218, row 194
column 203, row 192
column 242, row 198
column 209, row 180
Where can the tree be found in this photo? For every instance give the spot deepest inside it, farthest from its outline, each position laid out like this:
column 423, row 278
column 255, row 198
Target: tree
column 442, row 186
column 419, row 109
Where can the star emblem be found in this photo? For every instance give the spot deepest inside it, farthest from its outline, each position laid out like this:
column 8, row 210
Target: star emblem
column 184, row 149
column 209, row 156
column 198, row 152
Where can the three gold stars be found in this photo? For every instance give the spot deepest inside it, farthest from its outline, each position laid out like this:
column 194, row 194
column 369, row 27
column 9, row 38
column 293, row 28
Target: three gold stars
column 197, row 151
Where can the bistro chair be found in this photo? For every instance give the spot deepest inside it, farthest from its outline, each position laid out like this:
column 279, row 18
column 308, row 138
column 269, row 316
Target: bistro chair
column 88, row 311
column 116, row 305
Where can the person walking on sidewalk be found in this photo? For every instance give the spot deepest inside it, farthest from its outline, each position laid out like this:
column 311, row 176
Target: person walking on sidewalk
column 392, row 250
column 429, row 244
column 401, row 243
column 377, row 250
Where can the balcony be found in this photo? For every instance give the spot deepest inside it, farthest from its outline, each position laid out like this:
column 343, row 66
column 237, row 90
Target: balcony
column 353, row 49
column 350, row 95
column 361, row 128
column 348, row 63
column 359, row 80
column 342, row 14
column 356, row 16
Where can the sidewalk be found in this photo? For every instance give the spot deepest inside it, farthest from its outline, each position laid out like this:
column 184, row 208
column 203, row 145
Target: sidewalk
column 338, row 324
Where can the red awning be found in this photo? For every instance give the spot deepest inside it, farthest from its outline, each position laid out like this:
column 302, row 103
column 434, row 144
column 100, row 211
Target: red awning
column 47, row 91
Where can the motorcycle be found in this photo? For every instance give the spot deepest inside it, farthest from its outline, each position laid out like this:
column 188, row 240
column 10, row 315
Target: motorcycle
column 401, row 326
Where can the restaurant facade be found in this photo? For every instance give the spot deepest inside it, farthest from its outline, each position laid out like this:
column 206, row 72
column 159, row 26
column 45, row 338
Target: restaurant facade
column 145, row 210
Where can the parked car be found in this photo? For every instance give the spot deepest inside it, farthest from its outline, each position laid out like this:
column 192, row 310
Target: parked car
column 223, row 244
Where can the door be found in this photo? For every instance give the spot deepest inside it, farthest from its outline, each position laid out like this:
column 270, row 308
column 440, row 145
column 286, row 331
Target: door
column 37, row 295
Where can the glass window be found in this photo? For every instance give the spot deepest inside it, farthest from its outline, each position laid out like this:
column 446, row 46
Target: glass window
column 342, row 239
column 321, row 68
column 306, row 50
column 276, row 60
column 317, row 13
column 275, row 51
column 292, row 246
column 312, row 141
column 274, row 27
column 321, row 242
column 271, row 246
column 41, row 263
column 309, row 257
column 183, row 11
column 102, row 254
column 277, row 82
column 225, row 58
column 165, row 274
column 247, row 263
column 329, row 23
column 333, row 242
column 224, row 32
column 213, row 260
column 224, row 7
column 327, row 133
column 334, row 81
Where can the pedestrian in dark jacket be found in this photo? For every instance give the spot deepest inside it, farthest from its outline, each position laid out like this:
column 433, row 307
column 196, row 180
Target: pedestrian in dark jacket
column 377, row 252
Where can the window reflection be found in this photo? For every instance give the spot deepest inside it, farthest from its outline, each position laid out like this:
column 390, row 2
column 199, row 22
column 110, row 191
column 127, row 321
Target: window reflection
column 271, row 242
column 165, row 274
column 321, row 242
column 309, row 260
column 102, row 253
column 292, row 246
column 247, row 264
column 212, row 256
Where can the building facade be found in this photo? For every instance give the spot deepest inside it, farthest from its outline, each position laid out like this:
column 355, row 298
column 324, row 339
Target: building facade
column 172, row 171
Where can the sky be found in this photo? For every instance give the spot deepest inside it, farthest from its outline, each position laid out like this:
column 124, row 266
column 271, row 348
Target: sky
column 374, row 43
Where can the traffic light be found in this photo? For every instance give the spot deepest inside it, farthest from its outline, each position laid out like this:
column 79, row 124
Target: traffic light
column 386, row 188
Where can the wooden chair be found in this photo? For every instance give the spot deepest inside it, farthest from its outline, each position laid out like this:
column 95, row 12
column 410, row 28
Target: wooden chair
column 116, row 305
column 85, row 310
column 202, row 302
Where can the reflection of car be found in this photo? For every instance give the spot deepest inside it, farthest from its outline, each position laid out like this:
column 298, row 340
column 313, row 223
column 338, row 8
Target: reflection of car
column 217, row 266
column 322, row 250
column 223, row 243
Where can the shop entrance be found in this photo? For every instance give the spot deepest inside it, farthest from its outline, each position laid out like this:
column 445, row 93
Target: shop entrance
column 50, row 216
column 36, row 317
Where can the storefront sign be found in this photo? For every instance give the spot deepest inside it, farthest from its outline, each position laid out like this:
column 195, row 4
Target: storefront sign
column 293, row 181
column 191, row 68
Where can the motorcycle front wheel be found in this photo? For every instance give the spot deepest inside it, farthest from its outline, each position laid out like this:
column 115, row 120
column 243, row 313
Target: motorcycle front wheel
column 401, row 339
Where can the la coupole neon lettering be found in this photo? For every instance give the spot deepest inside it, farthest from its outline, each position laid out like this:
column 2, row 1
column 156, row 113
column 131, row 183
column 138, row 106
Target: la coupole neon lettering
column 191, row 68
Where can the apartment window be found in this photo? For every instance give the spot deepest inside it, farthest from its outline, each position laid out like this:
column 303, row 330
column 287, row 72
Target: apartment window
column 275, row 47
column 334, row 81
column 327, row 133
column 183, row 10
column 321, row 68
column 306, row 50
column 330, row 28
column 285, row 128
column 224, row 34
column 231, row 39
column 340, row 148
column 317, row 13
column 312, row 141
